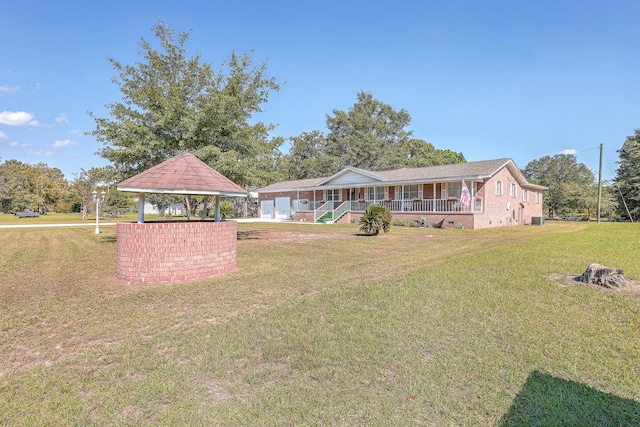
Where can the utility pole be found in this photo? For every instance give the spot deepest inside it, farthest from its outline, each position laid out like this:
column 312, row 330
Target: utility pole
column 599, row 184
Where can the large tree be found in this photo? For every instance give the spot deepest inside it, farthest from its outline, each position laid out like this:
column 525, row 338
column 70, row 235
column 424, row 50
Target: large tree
column 307, row 157
column 37, row 187
column 174, row 103
column 366, row 135
column 416, row 153
column 99, row 179
column 568, row 182
column 628, row 175
column 370, row 135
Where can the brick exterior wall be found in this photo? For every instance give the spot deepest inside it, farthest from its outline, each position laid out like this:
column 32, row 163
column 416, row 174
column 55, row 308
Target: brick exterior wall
column 498, row 210
column 504, row 209
column 155, row 252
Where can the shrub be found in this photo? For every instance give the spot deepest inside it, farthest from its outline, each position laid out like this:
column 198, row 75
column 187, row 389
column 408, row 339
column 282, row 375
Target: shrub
column 227, row 210
column 376, row 218
column 404, row 223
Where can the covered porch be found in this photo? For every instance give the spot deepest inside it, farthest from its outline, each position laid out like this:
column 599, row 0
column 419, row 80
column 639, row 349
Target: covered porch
column 410, row 201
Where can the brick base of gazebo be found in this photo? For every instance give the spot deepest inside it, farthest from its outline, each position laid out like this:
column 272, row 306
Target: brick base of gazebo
column 153, row 252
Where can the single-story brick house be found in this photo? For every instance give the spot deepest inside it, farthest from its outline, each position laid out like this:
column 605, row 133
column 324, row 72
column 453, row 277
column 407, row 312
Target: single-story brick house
column 499, row 195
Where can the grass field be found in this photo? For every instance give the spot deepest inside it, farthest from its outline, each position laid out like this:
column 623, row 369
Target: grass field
column 321, row 326
column 68, row 218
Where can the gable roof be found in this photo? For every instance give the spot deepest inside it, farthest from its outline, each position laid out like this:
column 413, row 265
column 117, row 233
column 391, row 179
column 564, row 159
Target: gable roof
column 182, row 174
column 470, row 171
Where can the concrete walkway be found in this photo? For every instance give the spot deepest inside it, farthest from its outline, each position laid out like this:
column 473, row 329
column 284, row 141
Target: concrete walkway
column 93, row 224
column 55, row 225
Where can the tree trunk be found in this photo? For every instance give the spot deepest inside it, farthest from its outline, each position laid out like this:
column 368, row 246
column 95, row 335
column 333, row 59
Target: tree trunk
column 188, row 206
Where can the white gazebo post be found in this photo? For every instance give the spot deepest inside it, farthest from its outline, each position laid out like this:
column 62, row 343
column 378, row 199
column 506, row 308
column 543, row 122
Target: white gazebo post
column 141, row 208
column 217, row 208
column 97, row 199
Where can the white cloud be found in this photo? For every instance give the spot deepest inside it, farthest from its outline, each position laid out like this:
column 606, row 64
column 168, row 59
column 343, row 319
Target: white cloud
column 64, row 143
column 17, row 144
column 18, row 118
column 9, row 89
column 569, row 151
column 2, row 134
column 62, row 118
column 41, row 153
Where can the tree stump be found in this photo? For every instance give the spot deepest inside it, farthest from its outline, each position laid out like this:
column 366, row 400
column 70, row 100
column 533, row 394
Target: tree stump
column 604, row 276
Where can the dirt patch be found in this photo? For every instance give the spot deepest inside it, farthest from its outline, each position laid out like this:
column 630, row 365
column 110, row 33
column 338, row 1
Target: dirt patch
column 291, row 236
column 574, row 280
column 380, row 252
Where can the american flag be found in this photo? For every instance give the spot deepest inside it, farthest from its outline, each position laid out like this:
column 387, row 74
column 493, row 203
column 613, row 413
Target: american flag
column 465, row 197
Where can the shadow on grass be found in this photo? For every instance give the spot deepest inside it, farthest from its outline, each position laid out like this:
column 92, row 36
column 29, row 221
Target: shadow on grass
column 545, row 400
column 249, row 235
column 107, row 239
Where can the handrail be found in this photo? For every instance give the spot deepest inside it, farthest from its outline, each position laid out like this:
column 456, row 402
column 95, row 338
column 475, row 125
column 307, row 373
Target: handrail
column 318, row 213
column 343, row 208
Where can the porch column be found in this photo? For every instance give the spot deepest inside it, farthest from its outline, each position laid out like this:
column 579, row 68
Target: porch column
column 472, row 202
column 433, row 206
column 140, row 208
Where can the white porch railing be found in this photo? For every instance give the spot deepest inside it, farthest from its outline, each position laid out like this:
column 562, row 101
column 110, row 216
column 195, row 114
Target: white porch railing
column 420, row 205
column 322, row 210
column 339, row 211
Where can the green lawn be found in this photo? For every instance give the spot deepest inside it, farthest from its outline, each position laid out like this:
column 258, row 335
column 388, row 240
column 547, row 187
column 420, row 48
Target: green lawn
column 69, row 218
column 321, row 326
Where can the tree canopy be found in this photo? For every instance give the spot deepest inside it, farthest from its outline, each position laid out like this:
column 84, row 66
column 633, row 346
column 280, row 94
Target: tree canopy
column 370, row 135
column 366, row 135
column 628, row 173
column 38, row 187
column 569, row 182
column 174, row 103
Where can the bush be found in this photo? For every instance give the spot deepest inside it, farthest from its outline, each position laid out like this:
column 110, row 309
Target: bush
column 227, row 210
column 376, row 218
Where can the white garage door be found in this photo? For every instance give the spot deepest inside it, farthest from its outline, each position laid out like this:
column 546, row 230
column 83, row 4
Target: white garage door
column 266, row 209
column 283, row 207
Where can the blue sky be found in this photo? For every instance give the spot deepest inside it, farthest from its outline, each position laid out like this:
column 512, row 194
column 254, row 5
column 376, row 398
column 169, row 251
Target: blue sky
column 488, row 78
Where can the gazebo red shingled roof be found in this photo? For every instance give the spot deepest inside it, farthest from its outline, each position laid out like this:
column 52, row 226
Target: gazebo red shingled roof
column 182, row 174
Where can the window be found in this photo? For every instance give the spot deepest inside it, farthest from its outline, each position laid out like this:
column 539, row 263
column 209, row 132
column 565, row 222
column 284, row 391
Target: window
column 525, row 195
column 512, row 190
column 333, row 195
column 410, row 192
column 499, row 188
column 376, row 193
column 537, row 197
column 454, row 190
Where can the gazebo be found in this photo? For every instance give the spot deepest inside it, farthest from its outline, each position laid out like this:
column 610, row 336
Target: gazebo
column 173, row 251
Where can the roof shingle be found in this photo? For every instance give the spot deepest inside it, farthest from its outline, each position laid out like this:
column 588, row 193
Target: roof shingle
column 182, row 174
